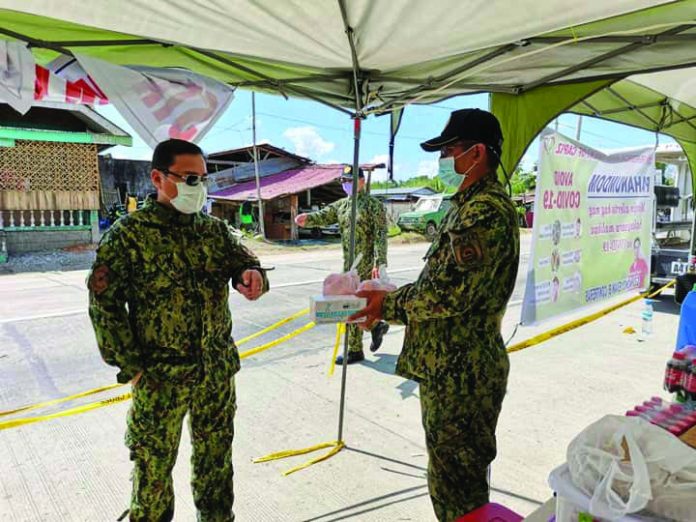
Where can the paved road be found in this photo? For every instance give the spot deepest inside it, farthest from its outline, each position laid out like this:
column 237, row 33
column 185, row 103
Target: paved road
column 77, row 468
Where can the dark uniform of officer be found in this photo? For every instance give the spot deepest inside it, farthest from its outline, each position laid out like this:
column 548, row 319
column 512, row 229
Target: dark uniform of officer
column 453, row 312
column 159, row 292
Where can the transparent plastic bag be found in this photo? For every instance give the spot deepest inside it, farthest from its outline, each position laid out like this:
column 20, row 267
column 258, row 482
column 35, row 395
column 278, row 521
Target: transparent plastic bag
column 345, row 283
column 626, row 464
column 382, row 283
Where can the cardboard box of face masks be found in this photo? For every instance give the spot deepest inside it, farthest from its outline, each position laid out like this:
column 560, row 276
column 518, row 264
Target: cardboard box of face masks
column 326, row 309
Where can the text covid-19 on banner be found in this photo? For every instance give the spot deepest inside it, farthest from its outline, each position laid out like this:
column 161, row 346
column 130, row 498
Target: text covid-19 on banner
column 592, row 226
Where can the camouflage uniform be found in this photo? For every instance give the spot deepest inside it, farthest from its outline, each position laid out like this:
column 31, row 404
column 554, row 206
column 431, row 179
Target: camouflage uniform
column 453, row 346
column 159, row 293
column 370, row 240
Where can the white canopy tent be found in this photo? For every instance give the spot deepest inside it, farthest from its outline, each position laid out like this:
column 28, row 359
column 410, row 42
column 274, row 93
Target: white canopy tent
column 377, row 56
column 538, row 58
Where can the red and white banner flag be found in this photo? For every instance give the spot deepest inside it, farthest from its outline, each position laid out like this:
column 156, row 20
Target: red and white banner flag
column 64, row 80
column 161, row 103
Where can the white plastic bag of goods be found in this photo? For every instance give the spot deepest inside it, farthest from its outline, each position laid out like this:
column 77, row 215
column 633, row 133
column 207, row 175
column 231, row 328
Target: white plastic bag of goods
column 570, row 501
column 17, row 75
column 161, row 103
column 626, row 465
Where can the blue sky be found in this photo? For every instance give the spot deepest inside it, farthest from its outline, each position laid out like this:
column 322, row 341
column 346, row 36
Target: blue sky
column 325, row 135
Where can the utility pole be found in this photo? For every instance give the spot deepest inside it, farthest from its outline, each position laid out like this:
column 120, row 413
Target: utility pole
column 262, row 227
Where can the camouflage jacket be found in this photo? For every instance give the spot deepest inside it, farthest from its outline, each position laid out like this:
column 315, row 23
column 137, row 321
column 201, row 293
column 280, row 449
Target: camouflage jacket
column 454, row 309
column 158, row 293
column 370, row 233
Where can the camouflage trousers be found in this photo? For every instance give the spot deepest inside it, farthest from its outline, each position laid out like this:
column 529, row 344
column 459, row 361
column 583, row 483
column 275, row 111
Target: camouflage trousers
column 155, row 422
column 460, row 413
column 355, row 338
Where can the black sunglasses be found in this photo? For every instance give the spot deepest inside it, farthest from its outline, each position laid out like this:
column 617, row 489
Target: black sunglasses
column 190, row 178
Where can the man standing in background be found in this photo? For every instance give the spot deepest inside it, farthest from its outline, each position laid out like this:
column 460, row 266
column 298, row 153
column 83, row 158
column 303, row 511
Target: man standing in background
column 370, row 243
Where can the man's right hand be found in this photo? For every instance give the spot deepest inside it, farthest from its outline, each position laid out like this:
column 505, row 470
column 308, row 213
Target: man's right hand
column 301, row 220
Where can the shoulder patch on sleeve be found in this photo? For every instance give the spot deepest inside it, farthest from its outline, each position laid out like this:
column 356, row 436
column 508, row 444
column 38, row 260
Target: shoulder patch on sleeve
column 99, row 279
column 468, row 247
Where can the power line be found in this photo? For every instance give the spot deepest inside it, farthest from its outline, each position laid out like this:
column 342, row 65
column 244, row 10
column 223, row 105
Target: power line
column 340, row 129
column 595, row 134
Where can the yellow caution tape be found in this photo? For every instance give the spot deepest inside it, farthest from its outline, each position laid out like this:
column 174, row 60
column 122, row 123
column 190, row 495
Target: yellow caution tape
column 62, row 399
column 273, row 326
column 335, row 446
column 340, row 330
column 271, row 344
column 338, row 444
column 65, row 413
column 120, row 398
column 582, row 321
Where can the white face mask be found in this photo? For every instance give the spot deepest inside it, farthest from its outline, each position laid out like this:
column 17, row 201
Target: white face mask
column 447, row 173
column 190, row 200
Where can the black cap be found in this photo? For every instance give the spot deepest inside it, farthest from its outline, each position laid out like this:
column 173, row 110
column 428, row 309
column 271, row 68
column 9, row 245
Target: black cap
column 348, row 173
column 469, row 125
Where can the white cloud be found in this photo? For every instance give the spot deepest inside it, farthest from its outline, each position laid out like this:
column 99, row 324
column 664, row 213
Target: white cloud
column 307, row 142
column 380, row 174
column 380, row 158
column 428, row 168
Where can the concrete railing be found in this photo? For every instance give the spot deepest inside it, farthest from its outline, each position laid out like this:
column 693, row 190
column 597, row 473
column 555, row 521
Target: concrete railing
column 26, row 220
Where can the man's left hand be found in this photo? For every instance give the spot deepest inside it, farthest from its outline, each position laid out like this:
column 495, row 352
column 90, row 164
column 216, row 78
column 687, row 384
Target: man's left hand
column 372, row 311
column 251, row 285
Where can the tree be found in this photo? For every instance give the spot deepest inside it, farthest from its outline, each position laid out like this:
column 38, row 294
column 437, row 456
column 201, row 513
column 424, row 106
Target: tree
column 415, row 182
column 522, row 182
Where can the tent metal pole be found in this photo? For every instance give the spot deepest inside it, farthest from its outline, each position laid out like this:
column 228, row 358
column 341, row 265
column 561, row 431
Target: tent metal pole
column 432, row 82
column 682, row 119
column 274, row 83
column 357, row 124
column 35, row 42
column 619, row 110
column 531, row 40
column 639, row 111
column 613, row 39
column 107, row 43
column 604, row 57
column 299, row 79
column 595, row 112
column 623, row 74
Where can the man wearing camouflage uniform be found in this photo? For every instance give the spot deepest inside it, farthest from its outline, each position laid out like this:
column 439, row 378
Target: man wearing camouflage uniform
column 370, row 243
column 158, row 295
column 453, row 313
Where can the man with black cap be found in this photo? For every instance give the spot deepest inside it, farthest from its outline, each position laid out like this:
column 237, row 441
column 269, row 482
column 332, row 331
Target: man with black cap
column 370, row 244
column 453, row 312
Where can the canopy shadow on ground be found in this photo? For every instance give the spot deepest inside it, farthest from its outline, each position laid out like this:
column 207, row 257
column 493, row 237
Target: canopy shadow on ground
column 664, row 303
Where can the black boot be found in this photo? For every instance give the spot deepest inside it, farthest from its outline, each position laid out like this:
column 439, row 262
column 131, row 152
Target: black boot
column 353, row 357
column 378, row 333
